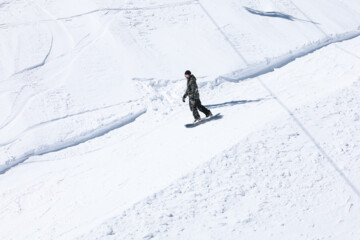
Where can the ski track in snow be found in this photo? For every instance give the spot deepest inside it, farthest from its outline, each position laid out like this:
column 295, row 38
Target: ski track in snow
column 256, row 70
column 41, row 124
column 43, row 62
column 6, row 25
column 130, row 9
column 19, row 105
column 84, row 137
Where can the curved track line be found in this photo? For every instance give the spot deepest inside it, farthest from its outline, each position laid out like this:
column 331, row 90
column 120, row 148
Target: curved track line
column 7, row 25
column 82, row 138
column 15, row 113
column 129, row 9
column 42, row 63
column 256, row 70
column 2, row 144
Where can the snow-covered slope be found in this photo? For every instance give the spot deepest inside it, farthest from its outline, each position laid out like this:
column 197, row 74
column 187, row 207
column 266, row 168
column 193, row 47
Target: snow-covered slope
column 92, row 121
column 280, row 182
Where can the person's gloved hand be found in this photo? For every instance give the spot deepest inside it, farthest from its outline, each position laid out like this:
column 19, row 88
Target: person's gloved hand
column 183, row 99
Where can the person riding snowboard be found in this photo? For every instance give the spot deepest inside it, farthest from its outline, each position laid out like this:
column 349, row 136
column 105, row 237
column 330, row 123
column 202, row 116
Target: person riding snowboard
column 194, row 97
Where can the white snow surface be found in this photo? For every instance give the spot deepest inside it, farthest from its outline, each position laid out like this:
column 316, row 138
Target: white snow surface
column 92, row 136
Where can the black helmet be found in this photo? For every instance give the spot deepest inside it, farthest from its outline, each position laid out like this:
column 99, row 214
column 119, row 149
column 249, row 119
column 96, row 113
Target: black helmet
column 187, row 72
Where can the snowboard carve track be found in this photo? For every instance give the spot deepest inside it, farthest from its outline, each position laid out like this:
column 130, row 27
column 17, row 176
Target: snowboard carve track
column 18, row 107
column 110, row 9
column 40, row 64
column 256, row 70
column 44, row 123
column 82, row 138
column 129, row 9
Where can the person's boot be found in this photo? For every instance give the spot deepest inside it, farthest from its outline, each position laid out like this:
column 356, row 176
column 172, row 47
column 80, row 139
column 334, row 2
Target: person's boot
column 197, row 120
column 209, row 114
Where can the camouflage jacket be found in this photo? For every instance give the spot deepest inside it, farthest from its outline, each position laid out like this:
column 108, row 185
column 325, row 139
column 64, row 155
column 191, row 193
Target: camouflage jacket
column 192, row 89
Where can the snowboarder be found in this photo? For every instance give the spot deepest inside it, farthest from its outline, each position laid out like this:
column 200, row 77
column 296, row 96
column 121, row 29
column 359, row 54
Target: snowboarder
column 194, row 98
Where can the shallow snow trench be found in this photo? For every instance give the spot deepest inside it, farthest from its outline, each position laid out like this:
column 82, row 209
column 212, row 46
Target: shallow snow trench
column 67, row 139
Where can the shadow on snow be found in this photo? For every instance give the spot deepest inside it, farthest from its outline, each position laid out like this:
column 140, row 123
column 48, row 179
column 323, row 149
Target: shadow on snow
column 276, row 15
column 232, row 103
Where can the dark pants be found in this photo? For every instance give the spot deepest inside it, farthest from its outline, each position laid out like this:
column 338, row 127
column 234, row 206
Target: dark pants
column 195, row 105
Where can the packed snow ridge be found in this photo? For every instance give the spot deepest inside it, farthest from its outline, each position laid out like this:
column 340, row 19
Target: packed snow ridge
column 270, row 64
column 69, row 140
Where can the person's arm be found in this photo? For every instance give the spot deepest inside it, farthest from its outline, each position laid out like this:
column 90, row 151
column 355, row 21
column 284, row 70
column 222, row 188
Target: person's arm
column 186, row 93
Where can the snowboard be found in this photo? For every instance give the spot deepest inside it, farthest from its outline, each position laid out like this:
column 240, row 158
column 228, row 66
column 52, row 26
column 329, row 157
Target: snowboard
column 204, row 120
